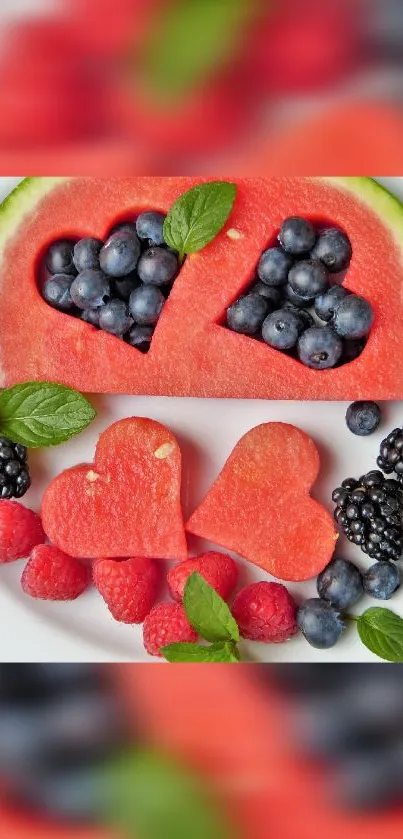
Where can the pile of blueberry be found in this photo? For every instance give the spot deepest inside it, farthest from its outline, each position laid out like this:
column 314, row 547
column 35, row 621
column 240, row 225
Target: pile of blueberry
column 340, row 586
column 298, row 305
column 119, row 286
column 369, row 512
column 351, row 721
column 58, row 723
column 15, row 479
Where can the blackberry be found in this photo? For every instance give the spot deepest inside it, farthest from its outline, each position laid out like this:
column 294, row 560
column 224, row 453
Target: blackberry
column 14, row 472
column 391, row 454
column 369, row 512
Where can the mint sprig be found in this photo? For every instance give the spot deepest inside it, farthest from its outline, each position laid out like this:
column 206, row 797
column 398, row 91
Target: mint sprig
column 207, row 612
column 210, row 616
column 198, row 215
column 381, row 631
column 150, row 795
column 220, row 652
column 39, row 414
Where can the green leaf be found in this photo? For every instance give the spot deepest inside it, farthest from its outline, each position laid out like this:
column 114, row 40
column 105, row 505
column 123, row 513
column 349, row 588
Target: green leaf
column 382, row 632
column 207, row 611
column 39, row 414
column 216, row 653
column 198, row 215
column 151, row 796
column 190, row 42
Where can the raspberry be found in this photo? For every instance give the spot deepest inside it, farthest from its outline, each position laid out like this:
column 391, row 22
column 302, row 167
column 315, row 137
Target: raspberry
column 20, row 531
column 166, row 624
column 51, row 574
column 129, row 587
column 219, row 570
column 265, row 612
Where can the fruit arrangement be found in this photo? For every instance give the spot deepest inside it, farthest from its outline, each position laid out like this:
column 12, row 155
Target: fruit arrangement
column 216, row 233
column 101, row 532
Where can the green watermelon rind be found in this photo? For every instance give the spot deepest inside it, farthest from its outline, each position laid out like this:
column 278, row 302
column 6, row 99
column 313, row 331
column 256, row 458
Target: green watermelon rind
column 22, row 200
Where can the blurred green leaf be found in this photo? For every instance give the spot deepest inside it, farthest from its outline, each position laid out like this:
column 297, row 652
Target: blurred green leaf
column 152, row 796
column 193, row 39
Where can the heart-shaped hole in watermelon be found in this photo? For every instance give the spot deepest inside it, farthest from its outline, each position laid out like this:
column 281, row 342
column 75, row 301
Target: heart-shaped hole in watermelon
column 297, row 302
column 118, row 284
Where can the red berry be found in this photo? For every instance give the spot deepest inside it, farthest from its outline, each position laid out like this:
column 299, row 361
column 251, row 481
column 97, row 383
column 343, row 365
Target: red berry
column 265, row 612
column 129, row 587
column 20, row 531
column 166, row 624
column 51, row 574
column 219, row 570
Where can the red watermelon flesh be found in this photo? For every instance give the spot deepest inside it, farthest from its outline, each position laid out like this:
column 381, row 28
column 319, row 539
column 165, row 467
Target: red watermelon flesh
column 127, row 503
column 191, row 354
column 260, row 506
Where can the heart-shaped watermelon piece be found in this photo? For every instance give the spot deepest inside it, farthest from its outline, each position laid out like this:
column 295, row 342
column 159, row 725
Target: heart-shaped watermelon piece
column 191, row 354
column 260, row 506
column 127, row 503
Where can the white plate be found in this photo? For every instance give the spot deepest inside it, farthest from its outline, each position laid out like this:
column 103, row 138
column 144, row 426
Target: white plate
column 83, row 630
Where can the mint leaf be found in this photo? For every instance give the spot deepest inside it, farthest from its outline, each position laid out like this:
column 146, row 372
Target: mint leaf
column 207, row 611
column 39, row 414
column 198, row 215
column 381, row 631
column 191, row 40
column 184, row 652
column 152, row 796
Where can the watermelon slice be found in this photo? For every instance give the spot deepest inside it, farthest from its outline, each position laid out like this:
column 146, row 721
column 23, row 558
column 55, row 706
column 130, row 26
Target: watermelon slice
column 260, row 506
column 127, row 503
column 191, row 353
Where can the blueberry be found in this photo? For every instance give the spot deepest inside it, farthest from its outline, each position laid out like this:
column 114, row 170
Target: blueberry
column 297, row 236
column 140, row 337
column 59, row 258
column 73, row 795
column 363, row 418
column 150, row 228
column 146, row 304
column 270, row 293
column 86, row 254
column 320, row 623
column 281, row 329
column 56, row 292
column 382, row 580
column 158, row 266
column 273, row 267
column 91, row 316
column 120, row 254
column 124, row 286
column 333, row 248
column 340, row 583
column 354, row 317
column 320, row 348
column 304, row 317
column 308, row 278
column 90, row 290
column 247, row 314
column 123, row 227
column 296, row 299
column 327, row 303
column 114, row 317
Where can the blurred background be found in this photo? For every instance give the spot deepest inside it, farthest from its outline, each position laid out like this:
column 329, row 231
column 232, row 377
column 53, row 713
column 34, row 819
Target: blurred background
column 191, row 86
column 216, row 752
